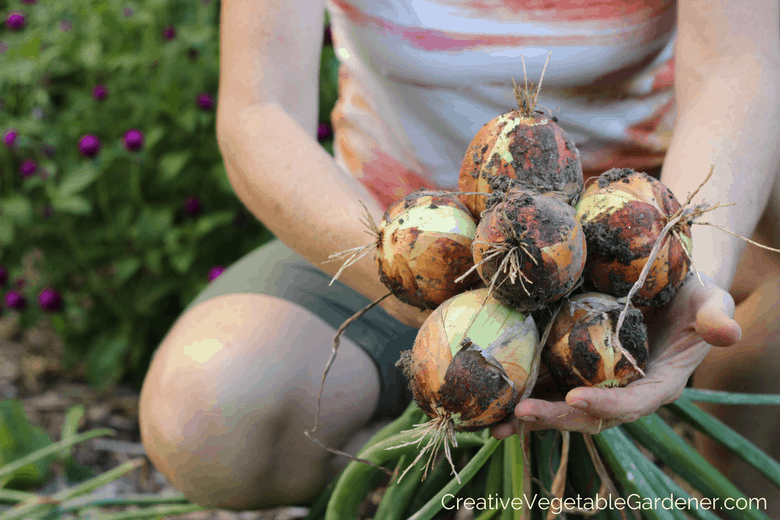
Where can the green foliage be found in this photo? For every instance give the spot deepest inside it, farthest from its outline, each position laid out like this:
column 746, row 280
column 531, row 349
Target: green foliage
column 18, row 438
column 111, row 231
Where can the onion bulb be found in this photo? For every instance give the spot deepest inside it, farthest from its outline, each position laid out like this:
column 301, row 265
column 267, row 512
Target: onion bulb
column 529, row 250
column 581, row 349
column 424, row 245
column 622, row 215
column 520, row 149
column 470, row 361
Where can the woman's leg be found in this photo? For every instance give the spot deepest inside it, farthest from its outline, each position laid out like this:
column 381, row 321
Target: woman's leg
column 234, row 384
column 230, row 392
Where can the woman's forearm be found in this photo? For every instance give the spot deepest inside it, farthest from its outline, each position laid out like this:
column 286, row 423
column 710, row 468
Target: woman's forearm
column 295, row 189
column 291, row 184
column 728, row 117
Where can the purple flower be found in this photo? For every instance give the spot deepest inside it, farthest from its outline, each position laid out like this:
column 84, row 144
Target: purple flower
column 28, row 168
column 49, row 300
column 169, row 32
column 89, row 145
column 128, row 12
column 192, row 205
column 15, row 300
column 324, row 131
column 215, row 272
column 29, row 1
column 205, row 101
column 10, row 138
column 193, row 54
column 47, row 211
column 66, row 25
column 15, row 21
column 20, row 282
column 134, row 140
column 99, row 92
column 3, row 275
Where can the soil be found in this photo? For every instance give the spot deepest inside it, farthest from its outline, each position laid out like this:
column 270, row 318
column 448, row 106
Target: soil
column 31, row 371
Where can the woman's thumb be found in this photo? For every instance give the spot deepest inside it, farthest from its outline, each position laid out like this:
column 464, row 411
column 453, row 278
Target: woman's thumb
column 714, row 321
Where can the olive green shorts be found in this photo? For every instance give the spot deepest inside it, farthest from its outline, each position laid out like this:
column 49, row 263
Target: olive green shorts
column 275, row 270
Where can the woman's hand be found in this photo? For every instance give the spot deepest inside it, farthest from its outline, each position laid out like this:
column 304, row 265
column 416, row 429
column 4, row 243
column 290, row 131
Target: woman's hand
column 680, row 337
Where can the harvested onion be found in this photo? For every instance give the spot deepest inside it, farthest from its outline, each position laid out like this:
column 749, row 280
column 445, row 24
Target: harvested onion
column 471, row 359
column 423, row 246
column 530, row 250
column 520, row 149
column 582, row 350
column 469, row 366
column 622, row 215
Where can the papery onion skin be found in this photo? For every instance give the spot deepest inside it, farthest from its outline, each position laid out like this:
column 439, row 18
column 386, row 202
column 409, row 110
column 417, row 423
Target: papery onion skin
column 517, row 151
column 553, row 254
column 449, row 380
column 622, row 215
column 424, row 245
column 580, row 351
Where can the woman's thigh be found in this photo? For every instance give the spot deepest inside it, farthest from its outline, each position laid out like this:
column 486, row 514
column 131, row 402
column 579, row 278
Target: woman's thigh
column 274, row 270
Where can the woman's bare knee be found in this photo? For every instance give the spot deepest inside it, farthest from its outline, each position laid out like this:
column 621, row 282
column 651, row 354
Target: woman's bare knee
column 230, row 391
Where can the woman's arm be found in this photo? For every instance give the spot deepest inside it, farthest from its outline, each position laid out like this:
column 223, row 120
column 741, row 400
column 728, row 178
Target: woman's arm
column 266, row 120
column 728, row 109
column 727, row 77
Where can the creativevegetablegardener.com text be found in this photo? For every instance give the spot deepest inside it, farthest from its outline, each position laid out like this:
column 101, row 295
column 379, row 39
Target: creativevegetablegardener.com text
column 633, row 502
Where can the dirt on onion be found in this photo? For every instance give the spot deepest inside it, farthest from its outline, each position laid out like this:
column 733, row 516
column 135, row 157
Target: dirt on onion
column 529, row 250
column 583, row 349
column 622, row 215
column 469, row 364
column 521, row 149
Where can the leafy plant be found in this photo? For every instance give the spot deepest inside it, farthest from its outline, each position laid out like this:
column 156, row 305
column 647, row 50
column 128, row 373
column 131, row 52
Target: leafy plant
column 115, row 209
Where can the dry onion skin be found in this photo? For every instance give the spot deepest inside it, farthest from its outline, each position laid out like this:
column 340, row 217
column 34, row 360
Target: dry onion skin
column 530, row 250
column 471, row 360
column 423, row 246
column 581, row 349
column 622, row 215
column 520, row 150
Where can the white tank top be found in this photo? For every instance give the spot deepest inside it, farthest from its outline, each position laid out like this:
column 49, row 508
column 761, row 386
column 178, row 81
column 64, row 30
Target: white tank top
column 419, row 78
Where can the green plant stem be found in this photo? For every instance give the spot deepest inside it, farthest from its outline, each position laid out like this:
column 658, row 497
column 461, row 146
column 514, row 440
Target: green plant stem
column 621, row 454
column 488, row 514
column 435, row 504
column 129, row 500
column 513, row 475
column 70, row 427
column 351, row 487
column 153, row 512
column 7, row 495
column 40, row 505
column 658, row 437
column 735, row 442
column 714, row 396
column 494, row 484
column 398, row 495
column 10, row 469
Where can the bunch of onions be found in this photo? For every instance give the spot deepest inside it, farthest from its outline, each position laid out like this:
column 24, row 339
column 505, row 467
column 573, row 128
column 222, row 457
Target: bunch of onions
column 423, row 246
column 529, row 250
column 582, row 348
column 521, row 149
column 469, row 365
column 623, row 215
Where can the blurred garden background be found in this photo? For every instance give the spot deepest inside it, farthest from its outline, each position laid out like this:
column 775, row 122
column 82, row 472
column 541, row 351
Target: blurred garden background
column 115, row 209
